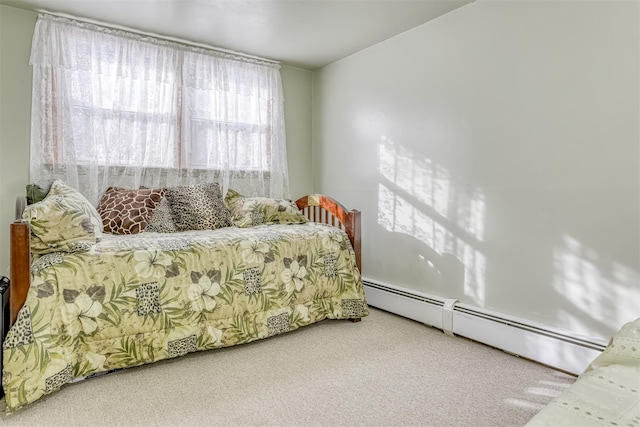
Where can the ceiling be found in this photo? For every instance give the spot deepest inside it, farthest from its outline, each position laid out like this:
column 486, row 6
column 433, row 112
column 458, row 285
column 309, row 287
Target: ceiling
column 301, row 33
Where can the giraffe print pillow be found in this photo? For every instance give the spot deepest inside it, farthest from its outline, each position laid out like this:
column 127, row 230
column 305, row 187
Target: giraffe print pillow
column 128, row 211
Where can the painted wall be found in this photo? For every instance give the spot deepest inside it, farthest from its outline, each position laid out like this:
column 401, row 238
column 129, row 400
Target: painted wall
column 494, row 152
column 16, row 29
column 296, row 84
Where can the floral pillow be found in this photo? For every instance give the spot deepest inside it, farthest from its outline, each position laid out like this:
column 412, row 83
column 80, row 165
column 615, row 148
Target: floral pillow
column 63, row 221
column 60, row 188
column 128, row 211
column 252, row 211
column 198, row 207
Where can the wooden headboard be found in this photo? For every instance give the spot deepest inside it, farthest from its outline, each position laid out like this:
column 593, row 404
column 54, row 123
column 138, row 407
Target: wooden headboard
column 323, row 209
column 316, row 207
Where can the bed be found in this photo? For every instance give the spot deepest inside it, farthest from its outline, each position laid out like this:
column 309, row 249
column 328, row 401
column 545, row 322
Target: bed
column 135, row 299
column 607, row 393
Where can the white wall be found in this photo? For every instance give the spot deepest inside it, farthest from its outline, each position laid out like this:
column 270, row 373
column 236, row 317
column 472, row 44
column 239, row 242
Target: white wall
column 16, row 29
column 494, row 153
column 296, row 84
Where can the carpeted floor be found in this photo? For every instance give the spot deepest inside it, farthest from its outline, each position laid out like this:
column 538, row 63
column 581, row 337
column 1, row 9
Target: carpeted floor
column 383, row 371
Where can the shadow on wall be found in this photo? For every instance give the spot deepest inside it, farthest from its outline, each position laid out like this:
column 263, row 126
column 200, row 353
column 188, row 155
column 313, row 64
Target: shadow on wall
column 418, row 197
column 445, row 217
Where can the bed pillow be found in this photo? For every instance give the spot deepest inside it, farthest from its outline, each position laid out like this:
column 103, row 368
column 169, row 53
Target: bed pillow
column 252, row 211
column 198, row 207
column 162, row 219
column 37, row 191
column 125, row 211
column 64, row 221
column 60, row 188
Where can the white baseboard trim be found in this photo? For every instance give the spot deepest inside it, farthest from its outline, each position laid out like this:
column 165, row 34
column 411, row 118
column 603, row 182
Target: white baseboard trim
column 560, row 349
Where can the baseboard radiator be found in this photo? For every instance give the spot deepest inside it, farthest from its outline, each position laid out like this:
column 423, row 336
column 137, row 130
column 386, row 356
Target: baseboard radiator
column 559, row 349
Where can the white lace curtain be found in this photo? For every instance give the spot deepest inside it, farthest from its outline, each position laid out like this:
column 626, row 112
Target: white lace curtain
column 113, row 108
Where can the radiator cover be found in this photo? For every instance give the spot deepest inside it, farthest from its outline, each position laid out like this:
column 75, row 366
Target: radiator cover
column 563, row 350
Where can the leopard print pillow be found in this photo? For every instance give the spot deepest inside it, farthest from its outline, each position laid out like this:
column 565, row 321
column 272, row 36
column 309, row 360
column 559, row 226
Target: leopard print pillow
column 128, row 211
column 162, row 219
column 198, row 207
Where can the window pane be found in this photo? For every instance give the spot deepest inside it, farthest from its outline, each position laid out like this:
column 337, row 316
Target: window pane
column 216, row 145
column 105, row 137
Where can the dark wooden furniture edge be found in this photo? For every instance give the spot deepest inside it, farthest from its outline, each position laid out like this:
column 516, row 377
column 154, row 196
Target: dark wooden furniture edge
column 20, row 252
column 20, row 264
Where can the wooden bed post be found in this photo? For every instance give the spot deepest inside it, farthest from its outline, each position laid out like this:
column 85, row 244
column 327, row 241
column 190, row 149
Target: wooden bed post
column 20, row 268
column 356, row 240
column 354, row 219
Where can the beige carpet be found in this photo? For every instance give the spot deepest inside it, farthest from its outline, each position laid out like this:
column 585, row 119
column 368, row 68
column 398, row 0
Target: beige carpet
column 383, row 371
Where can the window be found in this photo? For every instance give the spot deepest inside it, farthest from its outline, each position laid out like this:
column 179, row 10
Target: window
column 112, row 108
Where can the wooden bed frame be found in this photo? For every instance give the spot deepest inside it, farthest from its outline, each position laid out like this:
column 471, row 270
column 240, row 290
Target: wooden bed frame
column 316, row 207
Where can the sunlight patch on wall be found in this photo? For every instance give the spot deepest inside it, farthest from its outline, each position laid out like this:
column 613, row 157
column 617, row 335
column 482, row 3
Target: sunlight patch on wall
column 426, row 181
column 581, row 278
column 470, row 214
column 433, row 185
column 417, row 197
column 475, row 266
column 400, row 216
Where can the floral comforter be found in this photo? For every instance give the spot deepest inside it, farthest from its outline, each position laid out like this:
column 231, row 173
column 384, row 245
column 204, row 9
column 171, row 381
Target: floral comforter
column 136, row 299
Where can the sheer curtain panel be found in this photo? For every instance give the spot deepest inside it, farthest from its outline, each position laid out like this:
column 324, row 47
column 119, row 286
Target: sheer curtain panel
column 113, row 108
